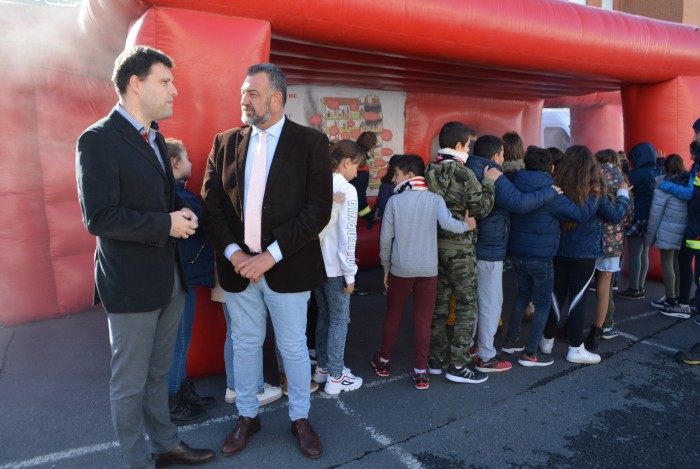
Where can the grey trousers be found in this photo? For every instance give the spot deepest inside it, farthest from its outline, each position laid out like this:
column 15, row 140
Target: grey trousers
column 142, row 352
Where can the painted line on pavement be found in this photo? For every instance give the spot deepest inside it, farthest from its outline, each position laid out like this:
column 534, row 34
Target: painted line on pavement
column 53, row 458
column 406, row 458
column 648, row 342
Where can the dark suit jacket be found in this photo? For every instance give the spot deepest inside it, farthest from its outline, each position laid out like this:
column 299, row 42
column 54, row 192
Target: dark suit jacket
column 296, row 205
column 126, row 199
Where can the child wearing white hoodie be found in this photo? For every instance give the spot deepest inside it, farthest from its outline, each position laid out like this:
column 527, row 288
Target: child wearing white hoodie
column 338, row 240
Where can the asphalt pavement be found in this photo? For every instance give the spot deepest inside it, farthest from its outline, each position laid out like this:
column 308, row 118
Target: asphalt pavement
column 637, row 408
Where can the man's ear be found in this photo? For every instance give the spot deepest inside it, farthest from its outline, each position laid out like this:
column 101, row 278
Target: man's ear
column 135, row 84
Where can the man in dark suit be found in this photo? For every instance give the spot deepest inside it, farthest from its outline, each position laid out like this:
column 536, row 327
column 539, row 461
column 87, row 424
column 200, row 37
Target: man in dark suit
column 127, row 196
column 267, row 194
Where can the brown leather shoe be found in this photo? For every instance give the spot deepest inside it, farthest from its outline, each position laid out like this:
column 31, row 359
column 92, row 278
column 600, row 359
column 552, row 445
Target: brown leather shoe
column 309, row 441
column 183, row 454
column 238, row 438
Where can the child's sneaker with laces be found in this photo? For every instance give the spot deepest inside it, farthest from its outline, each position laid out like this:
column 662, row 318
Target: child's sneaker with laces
column 434, row 366
column 534, row 359
column 320, row 375
column 381, row 368
column 581, row 355
column 465, row 375
column 609, row 333
column 676, row 311
column 422, row 381
column 494, row 365
column 511, row 347
column 342, row 382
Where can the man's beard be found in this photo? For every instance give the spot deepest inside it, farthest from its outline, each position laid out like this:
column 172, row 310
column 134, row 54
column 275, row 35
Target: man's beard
column 256, row 119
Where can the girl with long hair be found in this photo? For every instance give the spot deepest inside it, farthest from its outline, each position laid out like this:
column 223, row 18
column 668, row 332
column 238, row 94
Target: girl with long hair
column 580, row 177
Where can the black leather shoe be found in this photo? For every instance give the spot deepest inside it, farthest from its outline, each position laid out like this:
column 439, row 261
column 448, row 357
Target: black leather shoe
column 181, row 414
column 183, row 454
column 189, row 396
column 241, row 433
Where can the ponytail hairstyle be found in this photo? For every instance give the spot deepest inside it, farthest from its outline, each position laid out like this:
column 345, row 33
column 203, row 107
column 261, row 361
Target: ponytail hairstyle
column 347, row 149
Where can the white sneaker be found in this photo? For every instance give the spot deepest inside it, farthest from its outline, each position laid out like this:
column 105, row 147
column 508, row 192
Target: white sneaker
column 320, row 375
column 546, row 345
column 581, row 355
column 230, row 396
column 270, row 394
column 343, row 383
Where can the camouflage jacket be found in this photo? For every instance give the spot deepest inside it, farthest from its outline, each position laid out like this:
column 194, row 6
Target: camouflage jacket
column 461, row 190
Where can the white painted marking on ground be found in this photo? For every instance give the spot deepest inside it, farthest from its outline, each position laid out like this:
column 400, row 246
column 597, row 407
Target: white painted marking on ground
column 648, row 342
column 406, row 458
column 71, row 453
column 638, row 316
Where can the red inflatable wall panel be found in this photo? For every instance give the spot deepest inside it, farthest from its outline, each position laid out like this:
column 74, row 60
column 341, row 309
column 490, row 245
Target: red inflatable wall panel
column 597, row 127
column 427, row 112
column 211, row 53
column 662, row 114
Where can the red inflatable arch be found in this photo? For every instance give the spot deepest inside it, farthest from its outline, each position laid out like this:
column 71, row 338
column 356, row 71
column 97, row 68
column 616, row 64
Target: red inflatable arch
column 493, row 64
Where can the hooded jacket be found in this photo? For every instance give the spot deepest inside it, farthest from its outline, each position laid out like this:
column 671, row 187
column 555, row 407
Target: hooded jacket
column 197, row 253
column 536, row 234
column 668, row 217
column 642, row 178
column 494, row 229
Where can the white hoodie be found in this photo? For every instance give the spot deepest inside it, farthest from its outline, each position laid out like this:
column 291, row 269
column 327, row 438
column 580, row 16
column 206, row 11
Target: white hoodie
column 339, row 237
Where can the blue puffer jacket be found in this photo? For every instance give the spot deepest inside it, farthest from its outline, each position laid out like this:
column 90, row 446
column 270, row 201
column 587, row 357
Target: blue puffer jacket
column 493, row 233
column 197, row 253
column 643, row 178
column 536, row 234
column 586, row 239
column 668, row 217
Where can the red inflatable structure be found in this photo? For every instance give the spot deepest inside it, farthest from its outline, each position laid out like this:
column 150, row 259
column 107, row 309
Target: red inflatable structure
column 493, row 64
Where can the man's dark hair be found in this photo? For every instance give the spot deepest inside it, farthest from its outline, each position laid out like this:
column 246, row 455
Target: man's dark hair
column 411, row 164
column 487, row 146
column 278, row 80
column 453, row 133
column 136, row 61
column 538, row 159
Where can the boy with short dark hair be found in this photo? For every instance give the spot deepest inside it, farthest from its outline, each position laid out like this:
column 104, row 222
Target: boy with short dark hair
column 492, row 244
column 409, row 258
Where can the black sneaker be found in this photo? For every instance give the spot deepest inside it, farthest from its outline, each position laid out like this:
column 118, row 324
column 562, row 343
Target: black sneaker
column 664, row 302
column 381, row 368
column 535, row 359
column 631, row 294
column 466, row 374
column 511, row 347
column 435, row 366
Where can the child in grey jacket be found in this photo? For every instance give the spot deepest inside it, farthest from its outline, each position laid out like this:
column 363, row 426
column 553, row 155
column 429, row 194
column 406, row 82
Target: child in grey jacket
column 408, row 251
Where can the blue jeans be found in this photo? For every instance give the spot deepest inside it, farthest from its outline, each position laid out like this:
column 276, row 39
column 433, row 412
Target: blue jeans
column 248, row 315
column 228, row 356
column 535, row 282
column 332, row 324
column 178, row 369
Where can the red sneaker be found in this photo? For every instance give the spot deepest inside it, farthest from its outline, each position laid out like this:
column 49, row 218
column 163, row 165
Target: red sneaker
column 422, row 380
column 495, row 365
column 382, row 369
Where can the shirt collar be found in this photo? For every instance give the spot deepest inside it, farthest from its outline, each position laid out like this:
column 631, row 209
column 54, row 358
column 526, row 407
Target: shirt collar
column 137, row 125
column 275, row 130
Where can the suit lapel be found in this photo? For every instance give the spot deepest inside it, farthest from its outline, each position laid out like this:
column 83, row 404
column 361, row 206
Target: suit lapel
column 242, row 141
column 283, row 148
column 133, row 138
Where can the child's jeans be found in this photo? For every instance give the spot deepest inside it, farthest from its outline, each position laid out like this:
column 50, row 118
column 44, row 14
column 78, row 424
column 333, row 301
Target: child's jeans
column 332, row 325
column 535, row 282
column 397, row 293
